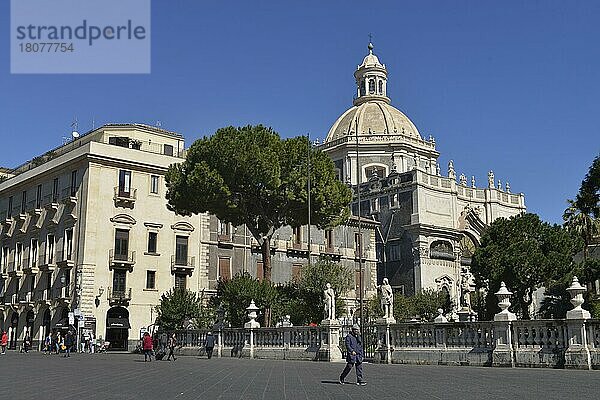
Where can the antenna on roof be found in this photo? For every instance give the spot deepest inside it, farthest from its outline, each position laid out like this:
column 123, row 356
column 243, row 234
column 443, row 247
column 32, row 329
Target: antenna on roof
column 74, row 133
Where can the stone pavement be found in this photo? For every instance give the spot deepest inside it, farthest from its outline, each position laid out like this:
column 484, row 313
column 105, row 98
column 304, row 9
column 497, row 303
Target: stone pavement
column 126, row 376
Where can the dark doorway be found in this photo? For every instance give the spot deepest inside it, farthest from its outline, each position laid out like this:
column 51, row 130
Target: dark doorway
column 14, row 327
column 117, row 328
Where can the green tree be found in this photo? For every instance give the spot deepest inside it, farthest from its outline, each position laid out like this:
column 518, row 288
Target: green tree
column 423, row 305
column 311, row 286
column 235, row 294
column 178, row 305
column 525, row 253
column 251, row 176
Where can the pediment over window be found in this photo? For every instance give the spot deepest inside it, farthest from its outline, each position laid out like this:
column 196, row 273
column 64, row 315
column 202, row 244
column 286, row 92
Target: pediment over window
column 182, row 226
column 123, row 219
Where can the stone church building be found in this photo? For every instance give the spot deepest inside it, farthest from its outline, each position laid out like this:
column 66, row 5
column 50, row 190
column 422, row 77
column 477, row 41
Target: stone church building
column 429, row 223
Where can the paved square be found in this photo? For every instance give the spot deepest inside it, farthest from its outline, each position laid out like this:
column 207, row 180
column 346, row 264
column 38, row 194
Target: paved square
column 126, row 376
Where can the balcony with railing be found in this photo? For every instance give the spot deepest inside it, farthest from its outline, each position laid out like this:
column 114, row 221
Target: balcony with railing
column 121, row 260
column 26, row 300
column 64, row 259
column 14, row 269
column 297, row 249
column 62, row 295
column 124, row 197
column 51, row 201
column 119, row 296
column 44, row 297
column 47, row 262
column 69, row 196
column 30, row 265
column 182, row 264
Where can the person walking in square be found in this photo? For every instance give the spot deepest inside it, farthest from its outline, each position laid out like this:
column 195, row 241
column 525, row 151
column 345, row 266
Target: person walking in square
column 210, row 344
column 147, row 346
column 354, row 356
column 4, row 341
column 171, row 345
column 69, row 342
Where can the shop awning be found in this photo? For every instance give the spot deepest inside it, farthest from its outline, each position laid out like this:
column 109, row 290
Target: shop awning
column 118, row 323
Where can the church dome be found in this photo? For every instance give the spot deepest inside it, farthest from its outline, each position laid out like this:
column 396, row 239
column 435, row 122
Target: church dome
column 372, row 112
column 374, row 117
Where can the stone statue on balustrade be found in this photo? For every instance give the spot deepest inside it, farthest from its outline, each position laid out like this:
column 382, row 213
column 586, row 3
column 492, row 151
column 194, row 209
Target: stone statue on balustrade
column 465, row 288
column 329, row 303
column 491, row 179
column 387, row 301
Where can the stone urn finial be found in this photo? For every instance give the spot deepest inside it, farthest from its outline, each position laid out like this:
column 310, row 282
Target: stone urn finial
column 440, row 318
column 576, row 292
column 503, row 296
column 252, row 309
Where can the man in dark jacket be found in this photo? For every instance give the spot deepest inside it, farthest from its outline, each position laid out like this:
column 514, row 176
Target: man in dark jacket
column 354, row 356
column 210, row 344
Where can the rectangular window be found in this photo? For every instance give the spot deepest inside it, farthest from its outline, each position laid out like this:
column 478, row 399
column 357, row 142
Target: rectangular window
column 296, row 272
column 38, row 197
column 5, row 258
column 329, row 238
column 50, row 249
column 23, row 201
column 19, row 256
column 55, row 190
column 119, row 281
column 31, row 284
column 121, row 141
column 297, row 235
column 260, row 270
column 121, row 244
column 74, row 183
column 154, row 184
column 49, row 281
column 223, row 228
column 224, row 268
column 152, row 238
column 33, row 253
column 358, row 244
column 181, row 250
column 9, row 211
column 150, row 279
column 180, row 281
column 394, row 252
column 68, row 244
column 168, row 150
column 124, row 183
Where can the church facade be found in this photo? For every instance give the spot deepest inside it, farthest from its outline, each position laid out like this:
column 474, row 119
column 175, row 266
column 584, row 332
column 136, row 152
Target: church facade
column 430, row 223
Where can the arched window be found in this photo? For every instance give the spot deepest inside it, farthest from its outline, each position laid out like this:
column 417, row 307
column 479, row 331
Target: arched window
column 371, row 86
column 380, row 87
column 362, row 88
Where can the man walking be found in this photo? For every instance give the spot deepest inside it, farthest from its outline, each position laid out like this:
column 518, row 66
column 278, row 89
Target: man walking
column 210, row 344
column 354, row 356
column 171, row 344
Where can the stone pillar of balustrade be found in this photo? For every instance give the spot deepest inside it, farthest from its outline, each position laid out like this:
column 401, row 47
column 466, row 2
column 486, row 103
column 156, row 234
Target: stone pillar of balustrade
column 503, row 353
column 330, row 341
column 384, row 345
column 252, row 324
column 577, row 354
column 287, row 333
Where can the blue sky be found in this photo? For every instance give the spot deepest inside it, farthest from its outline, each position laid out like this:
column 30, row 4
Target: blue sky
column 510, row 86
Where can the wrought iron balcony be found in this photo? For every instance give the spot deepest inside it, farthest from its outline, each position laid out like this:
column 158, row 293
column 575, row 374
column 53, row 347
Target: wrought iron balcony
column 182, row 264
column 119, row 296
column 69, row 196
column 30, row 265
column 123, row 197
column 26, row 300
column 51, row 201
column 62, row 295
column 47, row 262
column 118, row 260
column 44, row 297
column 14, row 269
column 65, row 259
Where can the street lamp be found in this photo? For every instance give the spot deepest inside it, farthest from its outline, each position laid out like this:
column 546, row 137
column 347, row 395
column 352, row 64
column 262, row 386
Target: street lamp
column 360, row 239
